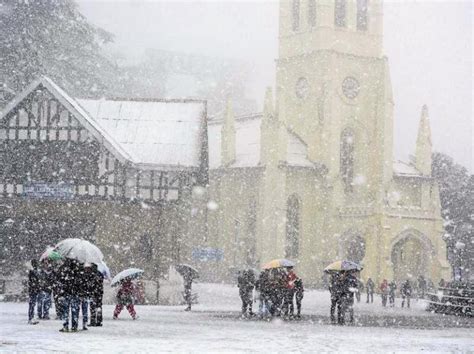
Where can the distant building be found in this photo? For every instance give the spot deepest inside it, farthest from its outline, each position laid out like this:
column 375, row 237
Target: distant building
column 312, row 178
column 118, row 172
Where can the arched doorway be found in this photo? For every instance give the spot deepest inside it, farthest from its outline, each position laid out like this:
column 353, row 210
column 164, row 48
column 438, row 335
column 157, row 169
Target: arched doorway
column 410, row 258
column 352, row 247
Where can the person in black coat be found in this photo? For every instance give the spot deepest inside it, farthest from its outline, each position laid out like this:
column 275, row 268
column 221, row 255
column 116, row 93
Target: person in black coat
column 370, row 287
column 97, row 293
column 336, row 291
column 71, row 282
column 246, row 284
column 349, row 287
column 299, row 293
column 406, row 291
column 85, row 292
column 57, row 291
column 33, row 290
column 392, row 287
column 46, row 280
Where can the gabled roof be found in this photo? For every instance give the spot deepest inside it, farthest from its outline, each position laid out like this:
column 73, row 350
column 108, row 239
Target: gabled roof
column 154, row 134
column 404, row 169
column 247, row 144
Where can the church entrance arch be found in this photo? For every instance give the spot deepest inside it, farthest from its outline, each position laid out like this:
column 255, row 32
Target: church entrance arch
column 410, row 257
column 352, row 246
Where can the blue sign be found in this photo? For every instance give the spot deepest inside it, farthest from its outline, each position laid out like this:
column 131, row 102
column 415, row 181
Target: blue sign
column 41, row 190
column 206, row 254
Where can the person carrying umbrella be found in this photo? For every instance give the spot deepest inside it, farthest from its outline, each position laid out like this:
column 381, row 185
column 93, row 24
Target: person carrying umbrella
column 126, row 297
column 343, row 284
column 70, row 278
column 127, row 291
column 189, row 274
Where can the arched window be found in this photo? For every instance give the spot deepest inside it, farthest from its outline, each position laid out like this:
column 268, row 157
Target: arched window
column 347, row 159
column 292, row 227
column 312, row 13
column 296, row 15
column 340, row 13
column 362, row 18
column 251, row 233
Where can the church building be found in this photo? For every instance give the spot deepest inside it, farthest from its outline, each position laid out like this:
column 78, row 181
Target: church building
column 313, row 178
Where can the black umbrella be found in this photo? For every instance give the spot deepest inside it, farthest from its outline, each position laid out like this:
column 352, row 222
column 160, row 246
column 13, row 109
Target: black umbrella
column 187, row 271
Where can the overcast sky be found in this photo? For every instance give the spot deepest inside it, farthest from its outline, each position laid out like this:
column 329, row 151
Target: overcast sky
column 428, row 43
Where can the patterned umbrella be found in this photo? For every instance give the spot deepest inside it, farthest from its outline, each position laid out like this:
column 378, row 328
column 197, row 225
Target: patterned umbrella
column 279, row 263
column 341, row 266
column 51, row 254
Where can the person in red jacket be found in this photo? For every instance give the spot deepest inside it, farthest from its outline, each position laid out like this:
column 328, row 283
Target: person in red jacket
column 384, row 292
column 125, row 297
column 288, row 306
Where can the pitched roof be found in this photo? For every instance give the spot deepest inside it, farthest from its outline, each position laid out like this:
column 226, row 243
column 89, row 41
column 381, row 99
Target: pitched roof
column 155, row 134
column 247, row 144
column 401, row 168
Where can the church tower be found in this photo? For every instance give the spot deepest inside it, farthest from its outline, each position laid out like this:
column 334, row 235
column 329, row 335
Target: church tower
column 334, row 91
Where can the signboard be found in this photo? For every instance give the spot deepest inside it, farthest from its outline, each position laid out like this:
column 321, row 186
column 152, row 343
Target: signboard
column 206, row 254
column 41, row 190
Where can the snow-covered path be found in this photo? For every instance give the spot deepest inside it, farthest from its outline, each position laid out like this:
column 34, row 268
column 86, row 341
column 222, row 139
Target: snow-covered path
column 214, row 326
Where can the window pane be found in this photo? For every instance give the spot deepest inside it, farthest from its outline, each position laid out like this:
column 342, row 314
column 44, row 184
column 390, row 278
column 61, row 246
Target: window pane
column 312, row 13
column 296, row 15
column 362, row 15
column 340, row 13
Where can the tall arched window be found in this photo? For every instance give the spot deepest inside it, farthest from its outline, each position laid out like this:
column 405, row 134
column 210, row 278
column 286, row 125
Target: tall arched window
column 312, row 13
column 340, row 13
column 362, row 18
column 251, row 233
column 347, row 159
column 292, row 227
column 295, row 15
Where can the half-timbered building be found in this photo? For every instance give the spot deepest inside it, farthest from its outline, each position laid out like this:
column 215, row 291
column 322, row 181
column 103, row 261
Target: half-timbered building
column 116, row 171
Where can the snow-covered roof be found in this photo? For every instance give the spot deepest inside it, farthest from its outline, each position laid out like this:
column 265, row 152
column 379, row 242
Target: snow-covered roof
column 151, row 133
column 401, row 168
column 247, row 144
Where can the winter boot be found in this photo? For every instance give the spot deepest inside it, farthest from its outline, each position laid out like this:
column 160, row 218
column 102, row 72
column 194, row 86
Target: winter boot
column 33, row 322
column 64, row 329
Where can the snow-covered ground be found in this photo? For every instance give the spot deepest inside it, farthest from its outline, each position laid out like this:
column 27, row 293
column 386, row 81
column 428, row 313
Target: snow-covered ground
column 215, row 326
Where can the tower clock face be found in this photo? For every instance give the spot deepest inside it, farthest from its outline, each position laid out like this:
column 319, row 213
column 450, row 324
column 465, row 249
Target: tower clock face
column 302, row 88
column 350, row 87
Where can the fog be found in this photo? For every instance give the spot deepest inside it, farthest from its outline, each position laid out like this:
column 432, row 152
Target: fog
column 428, row 43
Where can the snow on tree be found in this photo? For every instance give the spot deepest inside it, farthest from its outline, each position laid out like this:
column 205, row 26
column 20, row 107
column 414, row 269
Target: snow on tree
column 457, row 196
column 51, row 38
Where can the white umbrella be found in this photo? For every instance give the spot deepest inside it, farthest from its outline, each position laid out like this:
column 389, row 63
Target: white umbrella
column 127, row 273
column 80, row 250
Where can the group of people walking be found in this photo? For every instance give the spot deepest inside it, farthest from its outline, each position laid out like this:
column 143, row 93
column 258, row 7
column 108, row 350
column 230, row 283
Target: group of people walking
column 74, row 287
column 388, row 290
column 277, row 290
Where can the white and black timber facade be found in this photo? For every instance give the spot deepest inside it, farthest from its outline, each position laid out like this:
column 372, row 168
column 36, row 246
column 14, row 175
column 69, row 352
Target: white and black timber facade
column 116, row 171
